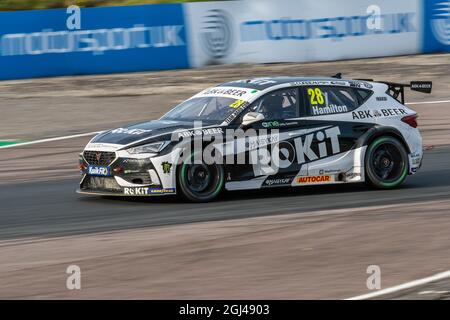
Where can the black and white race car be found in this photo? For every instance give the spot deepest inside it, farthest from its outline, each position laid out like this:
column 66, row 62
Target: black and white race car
column 262, row 133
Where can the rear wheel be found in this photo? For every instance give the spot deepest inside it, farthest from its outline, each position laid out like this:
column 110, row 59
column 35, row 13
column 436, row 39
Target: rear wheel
column 386, row 163
column 200, row 182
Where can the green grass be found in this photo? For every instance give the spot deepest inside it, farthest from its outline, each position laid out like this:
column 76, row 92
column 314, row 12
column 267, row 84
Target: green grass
column 13, row 5
column 7, row 143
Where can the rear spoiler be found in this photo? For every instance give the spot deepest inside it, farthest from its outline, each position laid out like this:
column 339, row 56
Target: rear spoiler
column 397, row 90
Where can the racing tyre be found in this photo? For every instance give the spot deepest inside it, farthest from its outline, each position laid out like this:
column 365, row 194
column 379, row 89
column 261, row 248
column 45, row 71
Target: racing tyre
column 200, row 182
column 386, row 163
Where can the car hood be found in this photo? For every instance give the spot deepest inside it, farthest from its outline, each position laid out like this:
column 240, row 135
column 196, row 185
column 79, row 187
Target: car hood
column 141, row 132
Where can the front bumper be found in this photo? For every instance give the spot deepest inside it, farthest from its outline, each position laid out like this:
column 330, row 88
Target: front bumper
column 109, row 186
column 124, row 176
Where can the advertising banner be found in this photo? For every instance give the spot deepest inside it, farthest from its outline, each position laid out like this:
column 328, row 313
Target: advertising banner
column 266, row 31
column 92, row 40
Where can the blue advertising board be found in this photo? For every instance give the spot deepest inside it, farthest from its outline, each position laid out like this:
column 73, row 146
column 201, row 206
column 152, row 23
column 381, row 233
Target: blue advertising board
column 98, row 40
column 436, row 26
column 40, row 43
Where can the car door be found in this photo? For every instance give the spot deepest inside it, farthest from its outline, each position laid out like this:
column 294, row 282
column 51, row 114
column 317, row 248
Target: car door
column 277, row 161
column 329, row 146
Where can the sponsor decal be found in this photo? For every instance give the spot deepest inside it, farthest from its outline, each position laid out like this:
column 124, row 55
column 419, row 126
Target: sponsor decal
column 277, row 124
column 135, row 162
column 262, row 141
column 95, row 146
column 200, row 132
column 262, row 148
column 277, row 181
column 166, row 166
column 416, row 158
column 352, row 176
column 142, row 191
column 330, row 109
column 256, row 81
column 339, row 83
column 329, row 171
column 319, row 83
column 360, row 84
column 235, row 113
column 390, row 112
column 225, row 91
column 314, row 179
column 237, row 104
column 98, row 171
column 131, row 171
column 421, row 86
column 130, row 131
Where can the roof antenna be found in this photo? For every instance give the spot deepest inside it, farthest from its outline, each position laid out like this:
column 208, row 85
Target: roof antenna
column 337, row 75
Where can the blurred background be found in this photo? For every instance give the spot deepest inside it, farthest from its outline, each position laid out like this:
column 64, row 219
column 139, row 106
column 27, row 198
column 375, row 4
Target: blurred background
column 128, row 36
column 68, row 73
column 12, row 5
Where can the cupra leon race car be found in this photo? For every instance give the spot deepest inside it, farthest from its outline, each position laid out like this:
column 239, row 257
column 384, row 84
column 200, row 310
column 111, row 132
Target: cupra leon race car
column 262, row 133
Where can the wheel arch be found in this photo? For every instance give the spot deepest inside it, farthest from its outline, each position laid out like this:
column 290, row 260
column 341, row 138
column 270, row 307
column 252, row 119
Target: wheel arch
column 379, row 131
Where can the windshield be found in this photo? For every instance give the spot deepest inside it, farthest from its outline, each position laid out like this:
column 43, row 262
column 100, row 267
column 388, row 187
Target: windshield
column 210, row 109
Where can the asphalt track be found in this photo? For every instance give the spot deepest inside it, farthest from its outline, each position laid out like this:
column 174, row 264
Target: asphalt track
column 319, row 253
column 52, row 208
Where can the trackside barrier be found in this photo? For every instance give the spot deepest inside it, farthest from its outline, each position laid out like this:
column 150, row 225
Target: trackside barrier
column 95, row 40
column 156, row 37
column 266, row 31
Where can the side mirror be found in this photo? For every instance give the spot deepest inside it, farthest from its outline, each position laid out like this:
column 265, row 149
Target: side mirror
column 252, row 117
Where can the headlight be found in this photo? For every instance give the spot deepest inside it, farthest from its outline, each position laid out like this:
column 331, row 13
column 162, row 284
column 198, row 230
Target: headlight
column 154, row 147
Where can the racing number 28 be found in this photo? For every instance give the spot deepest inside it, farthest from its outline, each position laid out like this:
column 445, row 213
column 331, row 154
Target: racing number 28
column 315, row 96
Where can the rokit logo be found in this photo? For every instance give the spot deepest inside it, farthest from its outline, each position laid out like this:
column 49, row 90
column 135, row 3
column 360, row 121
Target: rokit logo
column 142, row 191
column 285, row 153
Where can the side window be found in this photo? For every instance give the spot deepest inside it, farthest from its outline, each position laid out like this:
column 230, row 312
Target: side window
column 364, row 95
column 330, row 100
column 280, row 104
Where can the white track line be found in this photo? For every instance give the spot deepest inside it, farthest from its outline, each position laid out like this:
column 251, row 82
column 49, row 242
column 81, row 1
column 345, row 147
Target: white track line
column 429, row 102
column 50, row 139
column 96, row 132
column 405, row 286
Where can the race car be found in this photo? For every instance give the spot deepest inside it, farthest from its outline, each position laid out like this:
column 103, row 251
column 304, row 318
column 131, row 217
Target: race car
column 262, row 133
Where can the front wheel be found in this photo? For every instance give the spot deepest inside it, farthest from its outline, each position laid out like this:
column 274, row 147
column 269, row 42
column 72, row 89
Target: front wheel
column 200, row 182
column 386, row 163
